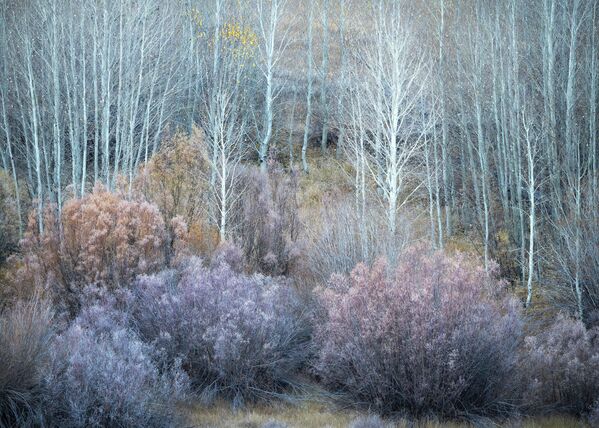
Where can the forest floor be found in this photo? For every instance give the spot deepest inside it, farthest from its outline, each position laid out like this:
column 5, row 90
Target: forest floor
column 314, row 408
column 321, row 415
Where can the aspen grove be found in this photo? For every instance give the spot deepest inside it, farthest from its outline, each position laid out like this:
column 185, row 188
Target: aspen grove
column 387, row 210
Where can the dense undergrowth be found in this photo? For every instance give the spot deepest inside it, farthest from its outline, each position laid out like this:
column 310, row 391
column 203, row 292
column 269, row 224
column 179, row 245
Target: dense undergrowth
column 430, row 335
column 123, row 308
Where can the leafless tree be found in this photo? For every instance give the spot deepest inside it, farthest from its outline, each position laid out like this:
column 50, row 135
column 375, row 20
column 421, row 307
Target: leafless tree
column 273, row 41
column 309, row 77
column 399, row 71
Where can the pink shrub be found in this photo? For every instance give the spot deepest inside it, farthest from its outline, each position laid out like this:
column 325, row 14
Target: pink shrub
column 435, row 334
column 561, row 368
column 238, row 336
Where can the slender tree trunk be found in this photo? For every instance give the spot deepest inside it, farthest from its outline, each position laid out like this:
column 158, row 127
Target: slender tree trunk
column 343, row 67
column 444, row 127
column 291, row 125
column 35, row 138
column 309, row 59
column 323, row 77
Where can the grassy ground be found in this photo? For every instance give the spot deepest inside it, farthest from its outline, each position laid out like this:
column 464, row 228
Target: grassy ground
column 318, row 415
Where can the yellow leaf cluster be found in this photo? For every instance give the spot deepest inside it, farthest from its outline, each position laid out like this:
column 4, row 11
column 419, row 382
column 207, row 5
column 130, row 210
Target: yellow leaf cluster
column 236, row 33
column 239, row 39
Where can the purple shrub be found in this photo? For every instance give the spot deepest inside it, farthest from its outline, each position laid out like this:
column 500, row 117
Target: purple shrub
column 267, row 221
column 238, row 336
column 560, row 368
column 435, row 334
column 229, row 254
column 25, row 331
column 102, row 374
column 103, row 310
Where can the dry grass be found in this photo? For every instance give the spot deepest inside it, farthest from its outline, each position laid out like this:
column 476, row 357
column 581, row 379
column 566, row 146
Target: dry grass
column 553, row 422
column 321, row 415
column 306, row 415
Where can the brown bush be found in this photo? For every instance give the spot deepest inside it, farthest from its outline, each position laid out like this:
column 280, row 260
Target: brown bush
column 176, row 180
column 101, row 239
column 340, row 237
column 35, row 266
column 109, row 240
column 9, row 218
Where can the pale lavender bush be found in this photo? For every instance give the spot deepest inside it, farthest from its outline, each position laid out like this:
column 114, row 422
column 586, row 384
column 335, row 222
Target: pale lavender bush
column 229, row 254
column 238, row 336
column 433, row 335
column 560, row 368
column 267, row 222
column 102, row 374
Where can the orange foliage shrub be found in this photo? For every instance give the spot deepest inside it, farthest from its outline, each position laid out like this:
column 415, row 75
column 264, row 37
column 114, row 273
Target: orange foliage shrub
column 176, row 180
column 35, row 267
column 202, row 238
column 9, row 220
column 106, row 240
